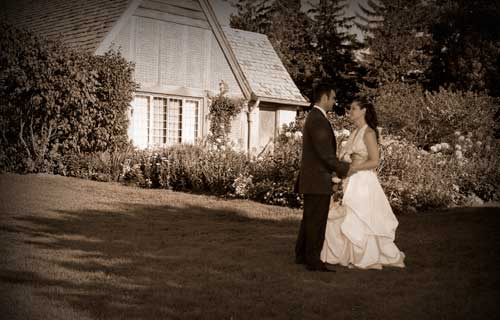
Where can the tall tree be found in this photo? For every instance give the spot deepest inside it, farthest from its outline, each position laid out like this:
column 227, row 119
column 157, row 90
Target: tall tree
column 398, row 39
column 336, row 45
column 467, row 46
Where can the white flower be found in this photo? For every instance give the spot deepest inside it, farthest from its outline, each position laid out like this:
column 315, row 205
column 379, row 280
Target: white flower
column 434, row 149
column 288, row 134
column 457, row 133
column 461, row 138
column 479, row 143
column 445, row 146
column 298, row 135
column 459, row 154
column 469, row 134
column 458, row 147
column 345, row 132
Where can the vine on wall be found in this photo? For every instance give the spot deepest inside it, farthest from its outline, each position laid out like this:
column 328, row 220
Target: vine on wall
column 222, row 111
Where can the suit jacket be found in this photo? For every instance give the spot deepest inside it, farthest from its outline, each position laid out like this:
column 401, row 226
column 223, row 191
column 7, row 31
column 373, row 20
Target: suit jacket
column 319, row 156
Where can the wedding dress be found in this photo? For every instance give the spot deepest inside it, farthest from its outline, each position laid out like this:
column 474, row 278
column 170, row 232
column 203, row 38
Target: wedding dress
column 360, row 232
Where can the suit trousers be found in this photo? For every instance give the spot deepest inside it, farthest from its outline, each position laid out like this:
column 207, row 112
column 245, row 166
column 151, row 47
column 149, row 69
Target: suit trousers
column 312, row 228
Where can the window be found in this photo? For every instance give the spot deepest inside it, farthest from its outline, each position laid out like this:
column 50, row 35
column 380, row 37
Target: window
column 169, row 121
column 139, row 124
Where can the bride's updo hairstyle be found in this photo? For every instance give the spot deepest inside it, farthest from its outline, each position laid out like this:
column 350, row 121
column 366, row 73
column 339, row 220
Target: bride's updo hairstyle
column 370, row 115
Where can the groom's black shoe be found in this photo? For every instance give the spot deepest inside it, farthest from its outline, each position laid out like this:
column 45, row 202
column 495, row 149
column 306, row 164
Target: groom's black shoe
column 319, row 268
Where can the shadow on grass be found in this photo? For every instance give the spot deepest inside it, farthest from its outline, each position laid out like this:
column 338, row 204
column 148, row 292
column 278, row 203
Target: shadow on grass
column 152, row 262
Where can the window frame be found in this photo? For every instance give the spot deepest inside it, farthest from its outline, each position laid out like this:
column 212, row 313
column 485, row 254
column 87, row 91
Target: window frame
column 198, row 125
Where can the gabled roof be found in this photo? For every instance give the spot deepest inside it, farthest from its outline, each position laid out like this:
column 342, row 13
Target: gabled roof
column 90, row 25
column 79, row 23
column 268, row 77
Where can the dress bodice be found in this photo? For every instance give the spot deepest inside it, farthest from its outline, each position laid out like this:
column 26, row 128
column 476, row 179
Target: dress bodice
column 355, row 149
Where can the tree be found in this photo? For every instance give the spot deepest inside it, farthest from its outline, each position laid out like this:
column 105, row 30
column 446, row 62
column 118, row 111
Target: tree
column 336, row 46
column 467, row 46
column 398, row 39
column 312, row 45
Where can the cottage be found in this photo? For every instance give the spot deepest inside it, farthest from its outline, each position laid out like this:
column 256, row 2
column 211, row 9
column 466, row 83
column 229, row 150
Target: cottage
column 182, row 55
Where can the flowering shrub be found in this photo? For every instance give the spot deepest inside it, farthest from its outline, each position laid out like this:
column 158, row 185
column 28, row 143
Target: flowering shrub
column 186, row 168
column 458, row 171
column 242, row 185
column 274, row 174
column 426, row 118
column 446, row 176
column 415, row 179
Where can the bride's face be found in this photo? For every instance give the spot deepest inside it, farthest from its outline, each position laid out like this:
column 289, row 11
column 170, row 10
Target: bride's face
column 356, row 112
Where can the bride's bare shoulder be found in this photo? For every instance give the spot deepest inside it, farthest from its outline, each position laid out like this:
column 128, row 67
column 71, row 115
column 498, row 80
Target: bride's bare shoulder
column 369, row 132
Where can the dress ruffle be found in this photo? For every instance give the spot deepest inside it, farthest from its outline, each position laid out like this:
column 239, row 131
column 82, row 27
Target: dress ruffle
column 361, row 231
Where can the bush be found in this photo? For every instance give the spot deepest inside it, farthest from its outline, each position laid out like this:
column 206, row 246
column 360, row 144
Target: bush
column 57, row 103
column 186, row 168
column 415, row 179
column 274, row 173
column 426, row 118
column 457, row 172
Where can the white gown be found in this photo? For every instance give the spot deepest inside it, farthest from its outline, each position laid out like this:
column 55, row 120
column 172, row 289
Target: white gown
column 361, row 231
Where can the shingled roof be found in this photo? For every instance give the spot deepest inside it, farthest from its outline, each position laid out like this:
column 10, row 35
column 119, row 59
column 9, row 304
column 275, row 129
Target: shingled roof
column 262, row 66
column 85, row 24
column 79, row 23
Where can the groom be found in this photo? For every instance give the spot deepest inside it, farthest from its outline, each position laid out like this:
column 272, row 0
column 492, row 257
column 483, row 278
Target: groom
column 319, row 160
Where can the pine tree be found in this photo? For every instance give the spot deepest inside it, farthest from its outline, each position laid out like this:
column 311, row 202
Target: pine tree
column 398, row 39
column 336, row 45
column 467, row 46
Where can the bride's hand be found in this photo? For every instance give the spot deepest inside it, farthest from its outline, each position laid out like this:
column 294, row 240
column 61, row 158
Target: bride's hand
column 352, row 170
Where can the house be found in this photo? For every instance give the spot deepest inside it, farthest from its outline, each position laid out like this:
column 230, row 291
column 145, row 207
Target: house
column 181, row 55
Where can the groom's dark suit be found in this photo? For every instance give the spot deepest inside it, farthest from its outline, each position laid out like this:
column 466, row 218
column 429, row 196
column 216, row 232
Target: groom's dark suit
column 319, row 160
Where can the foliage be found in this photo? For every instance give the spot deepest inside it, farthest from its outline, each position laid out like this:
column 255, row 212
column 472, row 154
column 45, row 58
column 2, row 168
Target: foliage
column 425, row 118
column 335, row 46
column 274, row 174
column 466, row 49
column 222, row 111
column 57, row 103
column 194, row 168
column 435, row 43
column 415, row 178
column 312, row 45
column 398, row 38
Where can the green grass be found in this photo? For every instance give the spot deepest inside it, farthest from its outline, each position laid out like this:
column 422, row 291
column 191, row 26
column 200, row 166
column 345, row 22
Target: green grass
column 76, row 249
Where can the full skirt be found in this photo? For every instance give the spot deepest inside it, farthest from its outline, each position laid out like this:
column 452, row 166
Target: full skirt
column 361, row 231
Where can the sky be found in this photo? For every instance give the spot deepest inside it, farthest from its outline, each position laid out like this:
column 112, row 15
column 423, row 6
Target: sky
column 223, row 9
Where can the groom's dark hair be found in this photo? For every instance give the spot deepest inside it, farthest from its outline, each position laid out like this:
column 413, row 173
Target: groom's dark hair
column 321, row 89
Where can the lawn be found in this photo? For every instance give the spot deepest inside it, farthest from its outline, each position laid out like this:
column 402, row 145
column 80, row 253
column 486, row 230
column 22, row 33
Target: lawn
column 76, row 249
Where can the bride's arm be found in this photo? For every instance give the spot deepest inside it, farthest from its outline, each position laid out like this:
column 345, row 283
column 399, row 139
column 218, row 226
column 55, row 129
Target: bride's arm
column 370, row 139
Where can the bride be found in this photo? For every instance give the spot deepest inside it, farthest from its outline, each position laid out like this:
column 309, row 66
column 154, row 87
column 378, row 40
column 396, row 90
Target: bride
column 361, row 231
